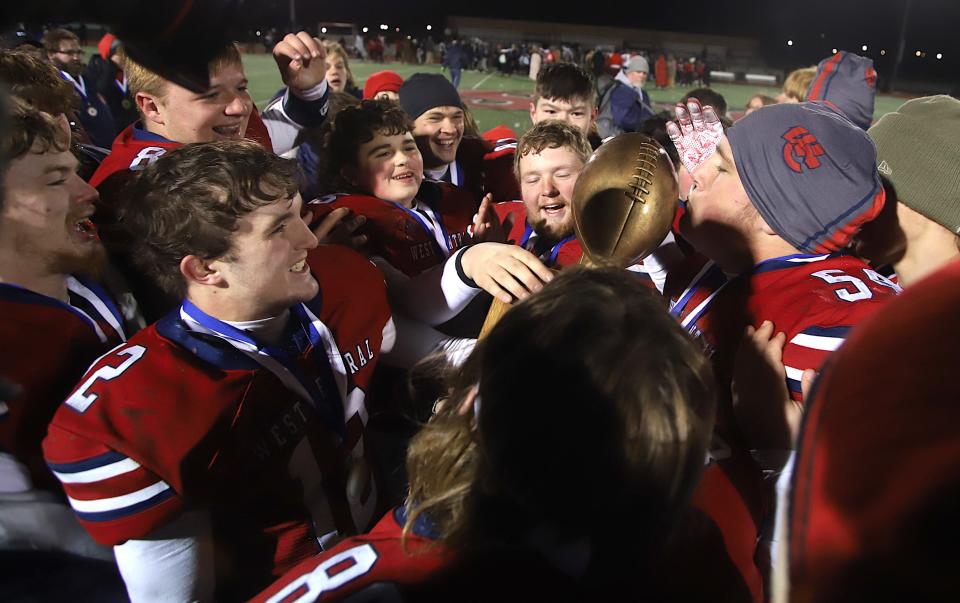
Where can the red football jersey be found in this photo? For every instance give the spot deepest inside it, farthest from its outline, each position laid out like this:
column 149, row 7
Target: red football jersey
column 180, row 419
column 814, row 299
column 45, row 347
column 377, row 560
column 411, row 240
column 567, row 252
column 133, row 149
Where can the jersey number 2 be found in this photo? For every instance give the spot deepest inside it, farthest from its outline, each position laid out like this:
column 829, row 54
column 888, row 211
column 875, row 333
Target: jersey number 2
column 80, row 400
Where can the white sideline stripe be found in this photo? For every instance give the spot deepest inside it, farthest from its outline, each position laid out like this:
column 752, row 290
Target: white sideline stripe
column 817, row 342
column 118, row 502
column 98, row 473
column 480, row 83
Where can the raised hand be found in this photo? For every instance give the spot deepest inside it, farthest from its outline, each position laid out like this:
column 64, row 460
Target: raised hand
column 301, row 60
column 486, row 223
column 696, row 134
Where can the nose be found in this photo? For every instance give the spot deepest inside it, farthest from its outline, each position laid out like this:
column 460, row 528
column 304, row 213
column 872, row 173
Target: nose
column 81, row 192
column 400, row 157
column 448, row 125
column 548, row 188
column 239, row 105
column 305, row 237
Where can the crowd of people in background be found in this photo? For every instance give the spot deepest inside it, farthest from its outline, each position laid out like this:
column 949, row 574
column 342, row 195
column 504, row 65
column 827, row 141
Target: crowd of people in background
column 244, row 354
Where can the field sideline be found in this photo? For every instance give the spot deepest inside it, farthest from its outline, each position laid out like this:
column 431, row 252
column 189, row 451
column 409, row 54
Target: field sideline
column 486, row 92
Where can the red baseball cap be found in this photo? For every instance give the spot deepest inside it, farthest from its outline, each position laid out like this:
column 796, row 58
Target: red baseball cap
column 382, row 81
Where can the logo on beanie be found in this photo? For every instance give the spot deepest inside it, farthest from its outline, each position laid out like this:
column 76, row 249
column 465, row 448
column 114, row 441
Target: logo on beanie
column 802, row 149
column 870, row 76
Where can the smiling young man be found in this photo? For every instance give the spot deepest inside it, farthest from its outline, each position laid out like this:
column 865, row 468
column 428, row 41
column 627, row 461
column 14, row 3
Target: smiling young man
column 225, row 443
column 173, row 115
column 477, row 165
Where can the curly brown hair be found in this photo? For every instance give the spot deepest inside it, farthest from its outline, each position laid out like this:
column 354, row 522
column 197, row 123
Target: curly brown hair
column 190, row 201
column 353, row 127
column 31, row 130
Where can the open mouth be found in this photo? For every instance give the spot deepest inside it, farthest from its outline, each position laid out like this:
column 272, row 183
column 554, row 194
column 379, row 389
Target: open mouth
column 300, row 267
column 86, row 229
column 553, row 209
column 228, row 131
column 403, row 177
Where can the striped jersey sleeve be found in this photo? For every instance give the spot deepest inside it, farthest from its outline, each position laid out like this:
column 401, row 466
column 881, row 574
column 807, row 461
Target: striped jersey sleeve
column 807, row 350
column 113, row 496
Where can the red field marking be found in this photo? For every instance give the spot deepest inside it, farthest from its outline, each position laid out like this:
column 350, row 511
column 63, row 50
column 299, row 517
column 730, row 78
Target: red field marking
column 504, row 101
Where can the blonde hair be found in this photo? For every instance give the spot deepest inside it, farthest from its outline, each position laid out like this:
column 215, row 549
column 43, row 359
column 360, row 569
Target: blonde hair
column 796, row 84
column 595, row 410
column 141, row 79
column 334, row 49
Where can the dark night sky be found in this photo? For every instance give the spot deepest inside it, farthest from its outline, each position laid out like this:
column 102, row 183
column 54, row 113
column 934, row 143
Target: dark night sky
column 815, row 26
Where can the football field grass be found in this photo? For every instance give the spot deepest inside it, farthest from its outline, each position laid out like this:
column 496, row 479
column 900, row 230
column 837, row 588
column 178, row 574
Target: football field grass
column 494, row 99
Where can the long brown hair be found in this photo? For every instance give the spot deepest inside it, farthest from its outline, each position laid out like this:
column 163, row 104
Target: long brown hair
column 594, row 407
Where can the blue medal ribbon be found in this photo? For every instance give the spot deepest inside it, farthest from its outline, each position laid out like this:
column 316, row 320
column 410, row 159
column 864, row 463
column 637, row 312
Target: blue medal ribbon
column 446, row 249
column 322, row 393
column 554, row 251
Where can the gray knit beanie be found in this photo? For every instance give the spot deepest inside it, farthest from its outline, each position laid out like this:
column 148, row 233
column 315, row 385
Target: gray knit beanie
column 918, row 152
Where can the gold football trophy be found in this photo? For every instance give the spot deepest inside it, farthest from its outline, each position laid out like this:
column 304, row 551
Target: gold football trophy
column 623, row 205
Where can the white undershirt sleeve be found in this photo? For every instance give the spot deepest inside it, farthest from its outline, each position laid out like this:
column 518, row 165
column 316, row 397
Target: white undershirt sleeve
column 175, row 564
column 432, row 297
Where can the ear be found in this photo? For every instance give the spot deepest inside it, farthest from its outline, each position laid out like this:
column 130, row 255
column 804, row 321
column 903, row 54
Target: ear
column 149, row 107
column 533, row 110
column 199, row 271
column 594, row 113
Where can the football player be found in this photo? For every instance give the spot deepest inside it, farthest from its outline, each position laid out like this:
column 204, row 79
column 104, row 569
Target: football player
column 774, row 201
column 225, row 443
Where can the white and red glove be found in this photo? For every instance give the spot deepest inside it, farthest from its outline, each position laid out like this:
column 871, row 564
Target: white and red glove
column 696, row 134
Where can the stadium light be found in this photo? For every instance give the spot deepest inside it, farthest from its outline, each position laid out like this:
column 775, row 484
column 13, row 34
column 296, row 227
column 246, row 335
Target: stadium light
column 789, row 42
column 918, row 53
column 834, row 51
column 258, row 33
column 429, row 27
column 939, row 55
column 323, row 30
column 863, row 48
column 366, row 29
column 397, row 30
column 882, row 52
